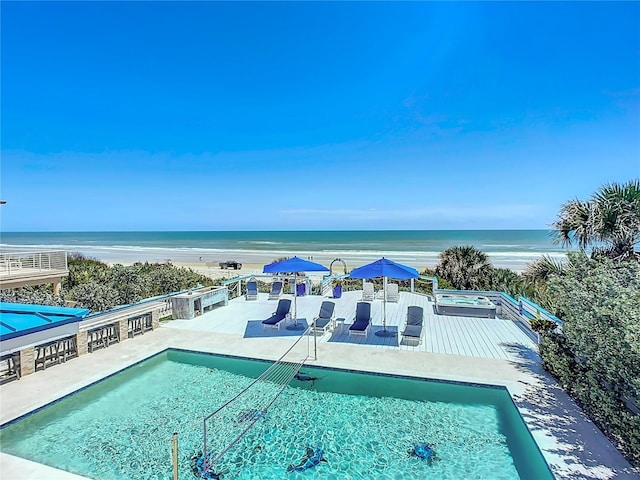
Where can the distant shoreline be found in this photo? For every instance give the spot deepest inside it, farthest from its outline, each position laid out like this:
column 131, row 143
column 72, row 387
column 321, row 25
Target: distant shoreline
column 512, row 249
column 253, row 264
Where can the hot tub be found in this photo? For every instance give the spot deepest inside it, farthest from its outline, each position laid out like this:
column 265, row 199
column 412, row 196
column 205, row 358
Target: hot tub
column 465, row 305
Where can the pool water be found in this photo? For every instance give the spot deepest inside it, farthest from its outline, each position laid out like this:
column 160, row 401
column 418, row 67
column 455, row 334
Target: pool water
column 121, row 427
column 463, row 300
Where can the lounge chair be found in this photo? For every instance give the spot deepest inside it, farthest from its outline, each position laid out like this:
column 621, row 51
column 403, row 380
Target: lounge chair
column 368, row 294
column 362, row 321
column 282, row 312
column 276, row 290
column 252, row 290
column 412, row 334
column 324, row 320
column 392, row 292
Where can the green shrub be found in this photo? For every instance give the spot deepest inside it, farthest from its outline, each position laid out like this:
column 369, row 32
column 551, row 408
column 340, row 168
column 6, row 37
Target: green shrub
column 95, row 285
column 602, row 403
column 596, row 357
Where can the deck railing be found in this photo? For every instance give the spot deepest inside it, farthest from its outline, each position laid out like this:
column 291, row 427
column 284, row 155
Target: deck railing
column 18, row 262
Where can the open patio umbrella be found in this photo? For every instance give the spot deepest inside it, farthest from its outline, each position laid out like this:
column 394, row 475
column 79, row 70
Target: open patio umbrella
column 295, row 265
column 387, row 269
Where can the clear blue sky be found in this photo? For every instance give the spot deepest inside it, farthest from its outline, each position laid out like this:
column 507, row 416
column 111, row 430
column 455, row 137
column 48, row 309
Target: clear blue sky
column 265, row 116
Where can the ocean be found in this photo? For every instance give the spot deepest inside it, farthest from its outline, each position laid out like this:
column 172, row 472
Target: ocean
column 419, row 248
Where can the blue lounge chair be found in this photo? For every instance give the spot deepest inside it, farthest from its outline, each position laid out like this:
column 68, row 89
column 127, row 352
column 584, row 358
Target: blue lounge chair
column 324, row 320
column 282, row 312
column 362, row 321
column 276, row 290
column 412, row 334
column 252, row 290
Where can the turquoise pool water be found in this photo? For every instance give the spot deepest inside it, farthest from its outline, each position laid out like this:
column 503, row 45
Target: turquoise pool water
column 446, row 299
column 121, row 427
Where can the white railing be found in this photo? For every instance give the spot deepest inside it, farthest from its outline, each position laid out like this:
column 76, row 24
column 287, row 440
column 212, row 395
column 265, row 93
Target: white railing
column 13, row 263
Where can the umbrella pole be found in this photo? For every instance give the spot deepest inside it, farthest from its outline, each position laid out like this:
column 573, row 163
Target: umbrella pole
column 384, row 332
column 295, row 299
column 384, row 304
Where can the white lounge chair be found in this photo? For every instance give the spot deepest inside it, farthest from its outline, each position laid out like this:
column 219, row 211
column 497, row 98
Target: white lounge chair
column 276, row 290
column 368, row 293
column 392, row 292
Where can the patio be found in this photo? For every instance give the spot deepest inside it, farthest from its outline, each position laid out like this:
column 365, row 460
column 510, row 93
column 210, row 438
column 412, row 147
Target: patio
column 461, row 349
column 444, row 334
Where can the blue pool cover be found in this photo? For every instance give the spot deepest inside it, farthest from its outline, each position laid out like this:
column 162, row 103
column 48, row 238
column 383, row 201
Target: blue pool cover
column 17, row 319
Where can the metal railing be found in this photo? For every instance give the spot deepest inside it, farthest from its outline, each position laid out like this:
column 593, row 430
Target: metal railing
column 234, row 418
column 13, row 263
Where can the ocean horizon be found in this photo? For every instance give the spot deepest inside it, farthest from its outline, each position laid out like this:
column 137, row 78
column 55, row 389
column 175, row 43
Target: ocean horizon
column 420, row 248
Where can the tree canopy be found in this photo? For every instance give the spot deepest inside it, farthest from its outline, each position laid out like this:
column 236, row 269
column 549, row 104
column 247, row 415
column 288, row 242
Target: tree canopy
column 609, row 221
column 464, row 267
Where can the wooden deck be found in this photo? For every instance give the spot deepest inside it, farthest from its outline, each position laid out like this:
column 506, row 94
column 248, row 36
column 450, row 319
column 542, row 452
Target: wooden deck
column 467, row 336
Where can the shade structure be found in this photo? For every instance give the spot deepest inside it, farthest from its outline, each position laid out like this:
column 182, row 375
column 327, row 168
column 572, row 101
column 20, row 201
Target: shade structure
column 294, row 265
column 384, row 268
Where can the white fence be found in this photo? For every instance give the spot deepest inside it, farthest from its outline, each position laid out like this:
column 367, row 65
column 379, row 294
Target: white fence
column 14, row 263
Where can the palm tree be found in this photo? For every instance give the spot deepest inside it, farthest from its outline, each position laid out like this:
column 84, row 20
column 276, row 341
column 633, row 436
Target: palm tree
column 537, row 276
column 540, row 270
column 505, row 280
column 466, row 267
column 609, row 221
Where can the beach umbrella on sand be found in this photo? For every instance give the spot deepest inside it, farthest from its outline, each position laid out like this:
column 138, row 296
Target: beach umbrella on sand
column 384, row 268
column 295, row 265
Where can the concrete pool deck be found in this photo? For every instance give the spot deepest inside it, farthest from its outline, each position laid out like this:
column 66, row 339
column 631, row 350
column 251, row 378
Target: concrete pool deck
column 571, row 445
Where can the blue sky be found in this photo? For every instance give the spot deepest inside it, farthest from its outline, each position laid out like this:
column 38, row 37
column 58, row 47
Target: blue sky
column 268, row 116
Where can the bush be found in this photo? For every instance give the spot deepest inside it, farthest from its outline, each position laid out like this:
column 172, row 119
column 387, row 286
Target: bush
column 596, row 357
column 426, row 286
column 95, row 285
column 97, row 297
column 602, row 403
column 37, row 295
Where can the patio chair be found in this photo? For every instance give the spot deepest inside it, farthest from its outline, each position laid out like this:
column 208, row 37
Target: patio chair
column 392, row 292
column 324, row 320
column 252, row 290
column 368, row 294
column 276, row 290
column 412, row 333
column 281, row 313
column 362, row 321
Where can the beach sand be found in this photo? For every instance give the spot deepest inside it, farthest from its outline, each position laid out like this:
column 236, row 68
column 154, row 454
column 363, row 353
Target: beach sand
column 213, row 270
column 254, row 266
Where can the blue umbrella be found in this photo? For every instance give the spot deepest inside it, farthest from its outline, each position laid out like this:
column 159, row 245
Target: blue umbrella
column 387, row 269
column 295, row 265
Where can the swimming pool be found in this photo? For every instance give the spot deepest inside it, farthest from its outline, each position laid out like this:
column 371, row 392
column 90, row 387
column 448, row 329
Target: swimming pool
column 121, row 427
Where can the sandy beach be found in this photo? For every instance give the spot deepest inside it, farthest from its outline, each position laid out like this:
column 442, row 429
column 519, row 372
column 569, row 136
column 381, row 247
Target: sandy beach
column 253, row 263
column 213, row 270
column 254, row 266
